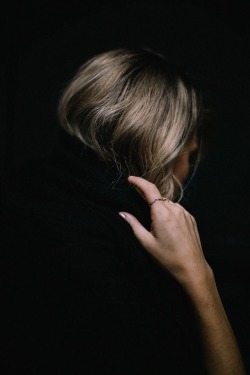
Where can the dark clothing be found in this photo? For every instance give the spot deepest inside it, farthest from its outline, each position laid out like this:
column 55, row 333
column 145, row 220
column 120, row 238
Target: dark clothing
column 81, row 296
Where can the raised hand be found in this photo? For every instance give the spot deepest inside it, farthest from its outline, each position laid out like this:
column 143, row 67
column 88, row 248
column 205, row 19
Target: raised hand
column 174, row 239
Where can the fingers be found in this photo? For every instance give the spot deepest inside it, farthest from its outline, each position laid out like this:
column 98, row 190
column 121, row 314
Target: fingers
column 160, row 209
column 173, row 239
column 149, row 191
column 143, row 236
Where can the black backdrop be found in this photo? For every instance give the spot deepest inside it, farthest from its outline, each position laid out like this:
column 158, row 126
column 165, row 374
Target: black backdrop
column 46, row 41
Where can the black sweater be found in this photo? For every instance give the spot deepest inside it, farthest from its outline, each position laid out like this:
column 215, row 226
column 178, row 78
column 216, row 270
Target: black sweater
column 81, row 296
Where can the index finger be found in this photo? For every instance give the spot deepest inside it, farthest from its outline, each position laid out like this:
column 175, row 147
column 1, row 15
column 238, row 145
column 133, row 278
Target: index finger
column 149, row 191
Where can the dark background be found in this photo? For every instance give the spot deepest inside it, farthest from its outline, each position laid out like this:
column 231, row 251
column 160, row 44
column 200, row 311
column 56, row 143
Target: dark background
column 46, row 41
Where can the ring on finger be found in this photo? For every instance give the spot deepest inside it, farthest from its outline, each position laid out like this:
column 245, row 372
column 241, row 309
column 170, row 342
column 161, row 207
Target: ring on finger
column 157, row 199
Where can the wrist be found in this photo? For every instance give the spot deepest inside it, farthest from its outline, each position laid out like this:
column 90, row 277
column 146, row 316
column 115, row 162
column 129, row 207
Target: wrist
column 201, row 286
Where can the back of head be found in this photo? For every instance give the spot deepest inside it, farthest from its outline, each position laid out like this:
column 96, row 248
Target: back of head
column 134, row 110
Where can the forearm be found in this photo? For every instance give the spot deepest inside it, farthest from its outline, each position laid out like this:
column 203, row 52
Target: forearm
column 174, row 241
column 221, row 352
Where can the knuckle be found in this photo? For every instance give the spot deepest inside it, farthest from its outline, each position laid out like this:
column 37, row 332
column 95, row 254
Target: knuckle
column 193, row 219
column 179, row 210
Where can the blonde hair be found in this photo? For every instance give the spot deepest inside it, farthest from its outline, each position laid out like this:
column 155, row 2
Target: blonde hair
column 134, row 110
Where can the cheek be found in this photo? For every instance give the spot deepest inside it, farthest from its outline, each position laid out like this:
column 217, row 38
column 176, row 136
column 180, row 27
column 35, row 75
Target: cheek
column 181, row 168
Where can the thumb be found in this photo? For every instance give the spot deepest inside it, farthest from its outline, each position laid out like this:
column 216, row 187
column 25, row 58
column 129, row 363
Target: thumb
column 141, row 233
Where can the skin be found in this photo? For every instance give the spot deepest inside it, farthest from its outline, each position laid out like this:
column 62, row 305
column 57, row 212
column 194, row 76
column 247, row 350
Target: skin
column 174, row 241
column 181, row 168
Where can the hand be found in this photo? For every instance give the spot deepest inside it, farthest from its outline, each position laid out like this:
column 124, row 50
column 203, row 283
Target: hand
column 173, row 240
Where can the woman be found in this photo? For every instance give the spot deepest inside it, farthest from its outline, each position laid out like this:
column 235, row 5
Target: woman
column 95, row 294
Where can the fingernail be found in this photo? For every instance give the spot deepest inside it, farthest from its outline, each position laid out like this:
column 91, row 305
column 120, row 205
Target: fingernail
column 122, row 215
